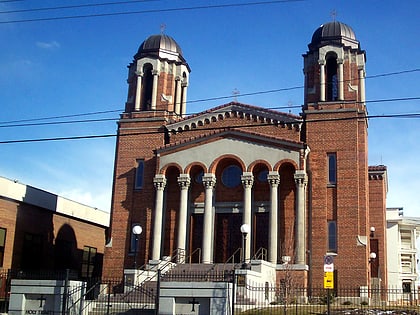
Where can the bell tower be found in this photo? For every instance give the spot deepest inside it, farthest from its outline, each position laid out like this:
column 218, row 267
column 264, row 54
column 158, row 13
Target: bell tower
column 158, row 77
column 334, row 66
column 335, row 127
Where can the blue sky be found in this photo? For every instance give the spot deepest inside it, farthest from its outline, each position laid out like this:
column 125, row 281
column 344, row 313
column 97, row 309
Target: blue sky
column 76, row 66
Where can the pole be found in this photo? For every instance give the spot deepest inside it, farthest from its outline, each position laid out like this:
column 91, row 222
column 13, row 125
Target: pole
column 65, row 293
column 328, row 302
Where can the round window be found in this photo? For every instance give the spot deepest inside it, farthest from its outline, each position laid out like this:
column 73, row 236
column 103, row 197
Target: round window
column 262, row 175
column 231, row 176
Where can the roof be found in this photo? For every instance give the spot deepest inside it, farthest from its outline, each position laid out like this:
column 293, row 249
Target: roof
column 162, row 46
column 14, row 190
column 216, row 113
column 334, row 33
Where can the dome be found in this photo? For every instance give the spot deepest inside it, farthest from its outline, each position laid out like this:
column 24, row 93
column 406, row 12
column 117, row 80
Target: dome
column 334, row 32
column 162, row 46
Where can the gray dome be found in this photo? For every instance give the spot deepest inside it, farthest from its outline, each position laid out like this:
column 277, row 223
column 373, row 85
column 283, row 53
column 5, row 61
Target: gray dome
column 334, row 32
column 162, row 46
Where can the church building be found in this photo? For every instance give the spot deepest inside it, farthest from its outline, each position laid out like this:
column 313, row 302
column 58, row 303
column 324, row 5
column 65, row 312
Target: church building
column 299, row 185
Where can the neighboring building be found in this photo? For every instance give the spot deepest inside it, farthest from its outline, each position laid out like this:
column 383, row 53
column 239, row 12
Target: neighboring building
column 402, row 235
column 301, row 183
column 40, row 231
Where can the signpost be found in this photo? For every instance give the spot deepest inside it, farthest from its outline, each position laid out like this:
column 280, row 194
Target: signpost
column 328, row 278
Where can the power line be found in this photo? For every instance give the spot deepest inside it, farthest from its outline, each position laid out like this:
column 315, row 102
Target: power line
column 401, row 115
column 71, row 6
column 22, row 124
column 216, row 6
column 228, row 97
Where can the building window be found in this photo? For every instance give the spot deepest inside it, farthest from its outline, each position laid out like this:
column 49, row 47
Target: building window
column 332, row 236
column 231, row 176
column 2, row 245
column 88, row 261
column 332, row 168
column 32, row 252
column 139, row 175
column 332, row 80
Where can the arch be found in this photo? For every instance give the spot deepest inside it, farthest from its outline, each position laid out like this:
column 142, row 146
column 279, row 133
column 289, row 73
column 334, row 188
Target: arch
column 331, row 76
column 214, row 165
column 280, row 164
column 192, row 165
column 258, row 162
column 147, row 87
column 165, row 168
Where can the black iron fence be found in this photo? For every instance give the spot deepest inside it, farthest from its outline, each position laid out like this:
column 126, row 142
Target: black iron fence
column 114, row 296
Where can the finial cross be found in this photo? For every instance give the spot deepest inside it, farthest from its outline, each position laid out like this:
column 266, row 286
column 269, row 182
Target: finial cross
column 334, row 14
column 162, row 28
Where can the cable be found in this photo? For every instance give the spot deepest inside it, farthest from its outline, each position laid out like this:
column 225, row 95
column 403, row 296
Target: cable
column 406, row 115
column 13, row 124
column 73, row 6
column 217, row 6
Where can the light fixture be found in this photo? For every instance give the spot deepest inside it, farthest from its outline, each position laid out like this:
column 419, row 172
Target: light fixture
column 137, row 229
column 245, row 229
column 286, row 259
column 372, row 231
column 372, row 257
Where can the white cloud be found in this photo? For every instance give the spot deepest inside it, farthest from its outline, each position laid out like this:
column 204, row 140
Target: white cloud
column 48, row 45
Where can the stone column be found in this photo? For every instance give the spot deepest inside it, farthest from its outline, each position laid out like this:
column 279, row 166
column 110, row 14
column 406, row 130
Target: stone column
column 184, row 99
column 274, row 181
column 340, row 79
column 209, row 182
column 178, row 94
column 321, row 80
column 138, row 91
column 160, row 183
column 155, row 74
column 247, row 181
column 301, row 181
column 362, row 84
column 184, row 183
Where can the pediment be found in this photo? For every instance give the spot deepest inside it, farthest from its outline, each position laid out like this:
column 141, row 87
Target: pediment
column 235, row 109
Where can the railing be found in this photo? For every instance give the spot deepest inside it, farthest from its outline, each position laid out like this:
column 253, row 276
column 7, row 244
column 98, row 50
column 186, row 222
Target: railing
column 260, row 254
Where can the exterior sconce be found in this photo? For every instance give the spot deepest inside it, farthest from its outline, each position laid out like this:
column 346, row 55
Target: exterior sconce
column 372, row 231
column 372, row 257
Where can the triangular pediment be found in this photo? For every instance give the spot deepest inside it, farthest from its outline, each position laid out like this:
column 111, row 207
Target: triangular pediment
column 235, row 109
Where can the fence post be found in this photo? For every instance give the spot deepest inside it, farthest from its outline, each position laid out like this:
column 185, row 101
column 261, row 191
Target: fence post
column 108, row 303
column 157, row 292
column 233, row 291
column 65, row 293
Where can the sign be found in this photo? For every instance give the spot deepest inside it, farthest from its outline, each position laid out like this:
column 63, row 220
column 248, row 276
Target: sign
column 328, row 280
column 328, row 263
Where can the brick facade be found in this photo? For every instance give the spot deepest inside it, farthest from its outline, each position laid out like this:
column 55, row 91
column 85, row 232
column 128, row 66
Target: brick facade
column 257, row 141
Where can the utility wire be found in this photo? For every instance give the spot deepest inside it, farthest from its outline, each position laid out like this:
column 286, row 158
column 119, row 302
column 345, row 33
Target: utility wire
column 22, row 124
column 230, row 96
column 73, row 6
column 216, row 6
column 405, row 115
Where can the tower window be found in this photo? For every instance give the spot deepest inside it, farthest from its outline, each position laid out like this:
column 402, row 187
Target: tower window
column 139, row 175
column 332, row 168
column 332, row 236
column 147, row 87
column 332, row 79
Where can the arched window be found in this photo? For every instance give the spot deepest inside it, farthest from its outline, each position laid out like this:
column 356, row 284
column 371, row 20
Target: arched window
column 146, row 99
column 332, row 79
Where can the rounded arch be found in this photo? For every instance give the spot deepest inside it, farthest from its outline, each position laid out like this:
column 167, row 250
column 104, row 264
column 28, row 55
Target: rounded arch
column 192, row 165
column 259, row 162
column 65, row 248
column 279, row 164
column 225, row 158
column 164, row 169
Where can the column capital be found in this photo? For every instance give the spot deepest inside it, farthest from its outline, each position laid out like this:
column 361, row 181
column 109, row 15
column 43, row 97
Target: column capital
column 139, row 73
column 209, row 180
column 273, row 179
column 340, row 61
column 321, row 62
column 155, row 72
column 300, row 177
column 184, row 181
column 247, row 179
column 159, row 181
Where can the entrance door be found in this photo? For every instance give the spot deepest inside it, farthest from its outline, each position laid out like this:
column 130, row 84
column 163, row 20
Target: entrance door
column 228, row 238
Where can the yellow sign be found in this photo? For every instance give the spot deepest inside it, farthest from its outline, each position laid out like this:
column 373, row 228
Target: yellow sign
column 328, row 280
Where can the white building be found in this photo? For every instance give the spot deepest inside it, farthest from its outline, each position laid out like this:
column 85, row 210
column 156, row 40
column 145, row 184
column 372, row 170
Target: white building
column 402, row 235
